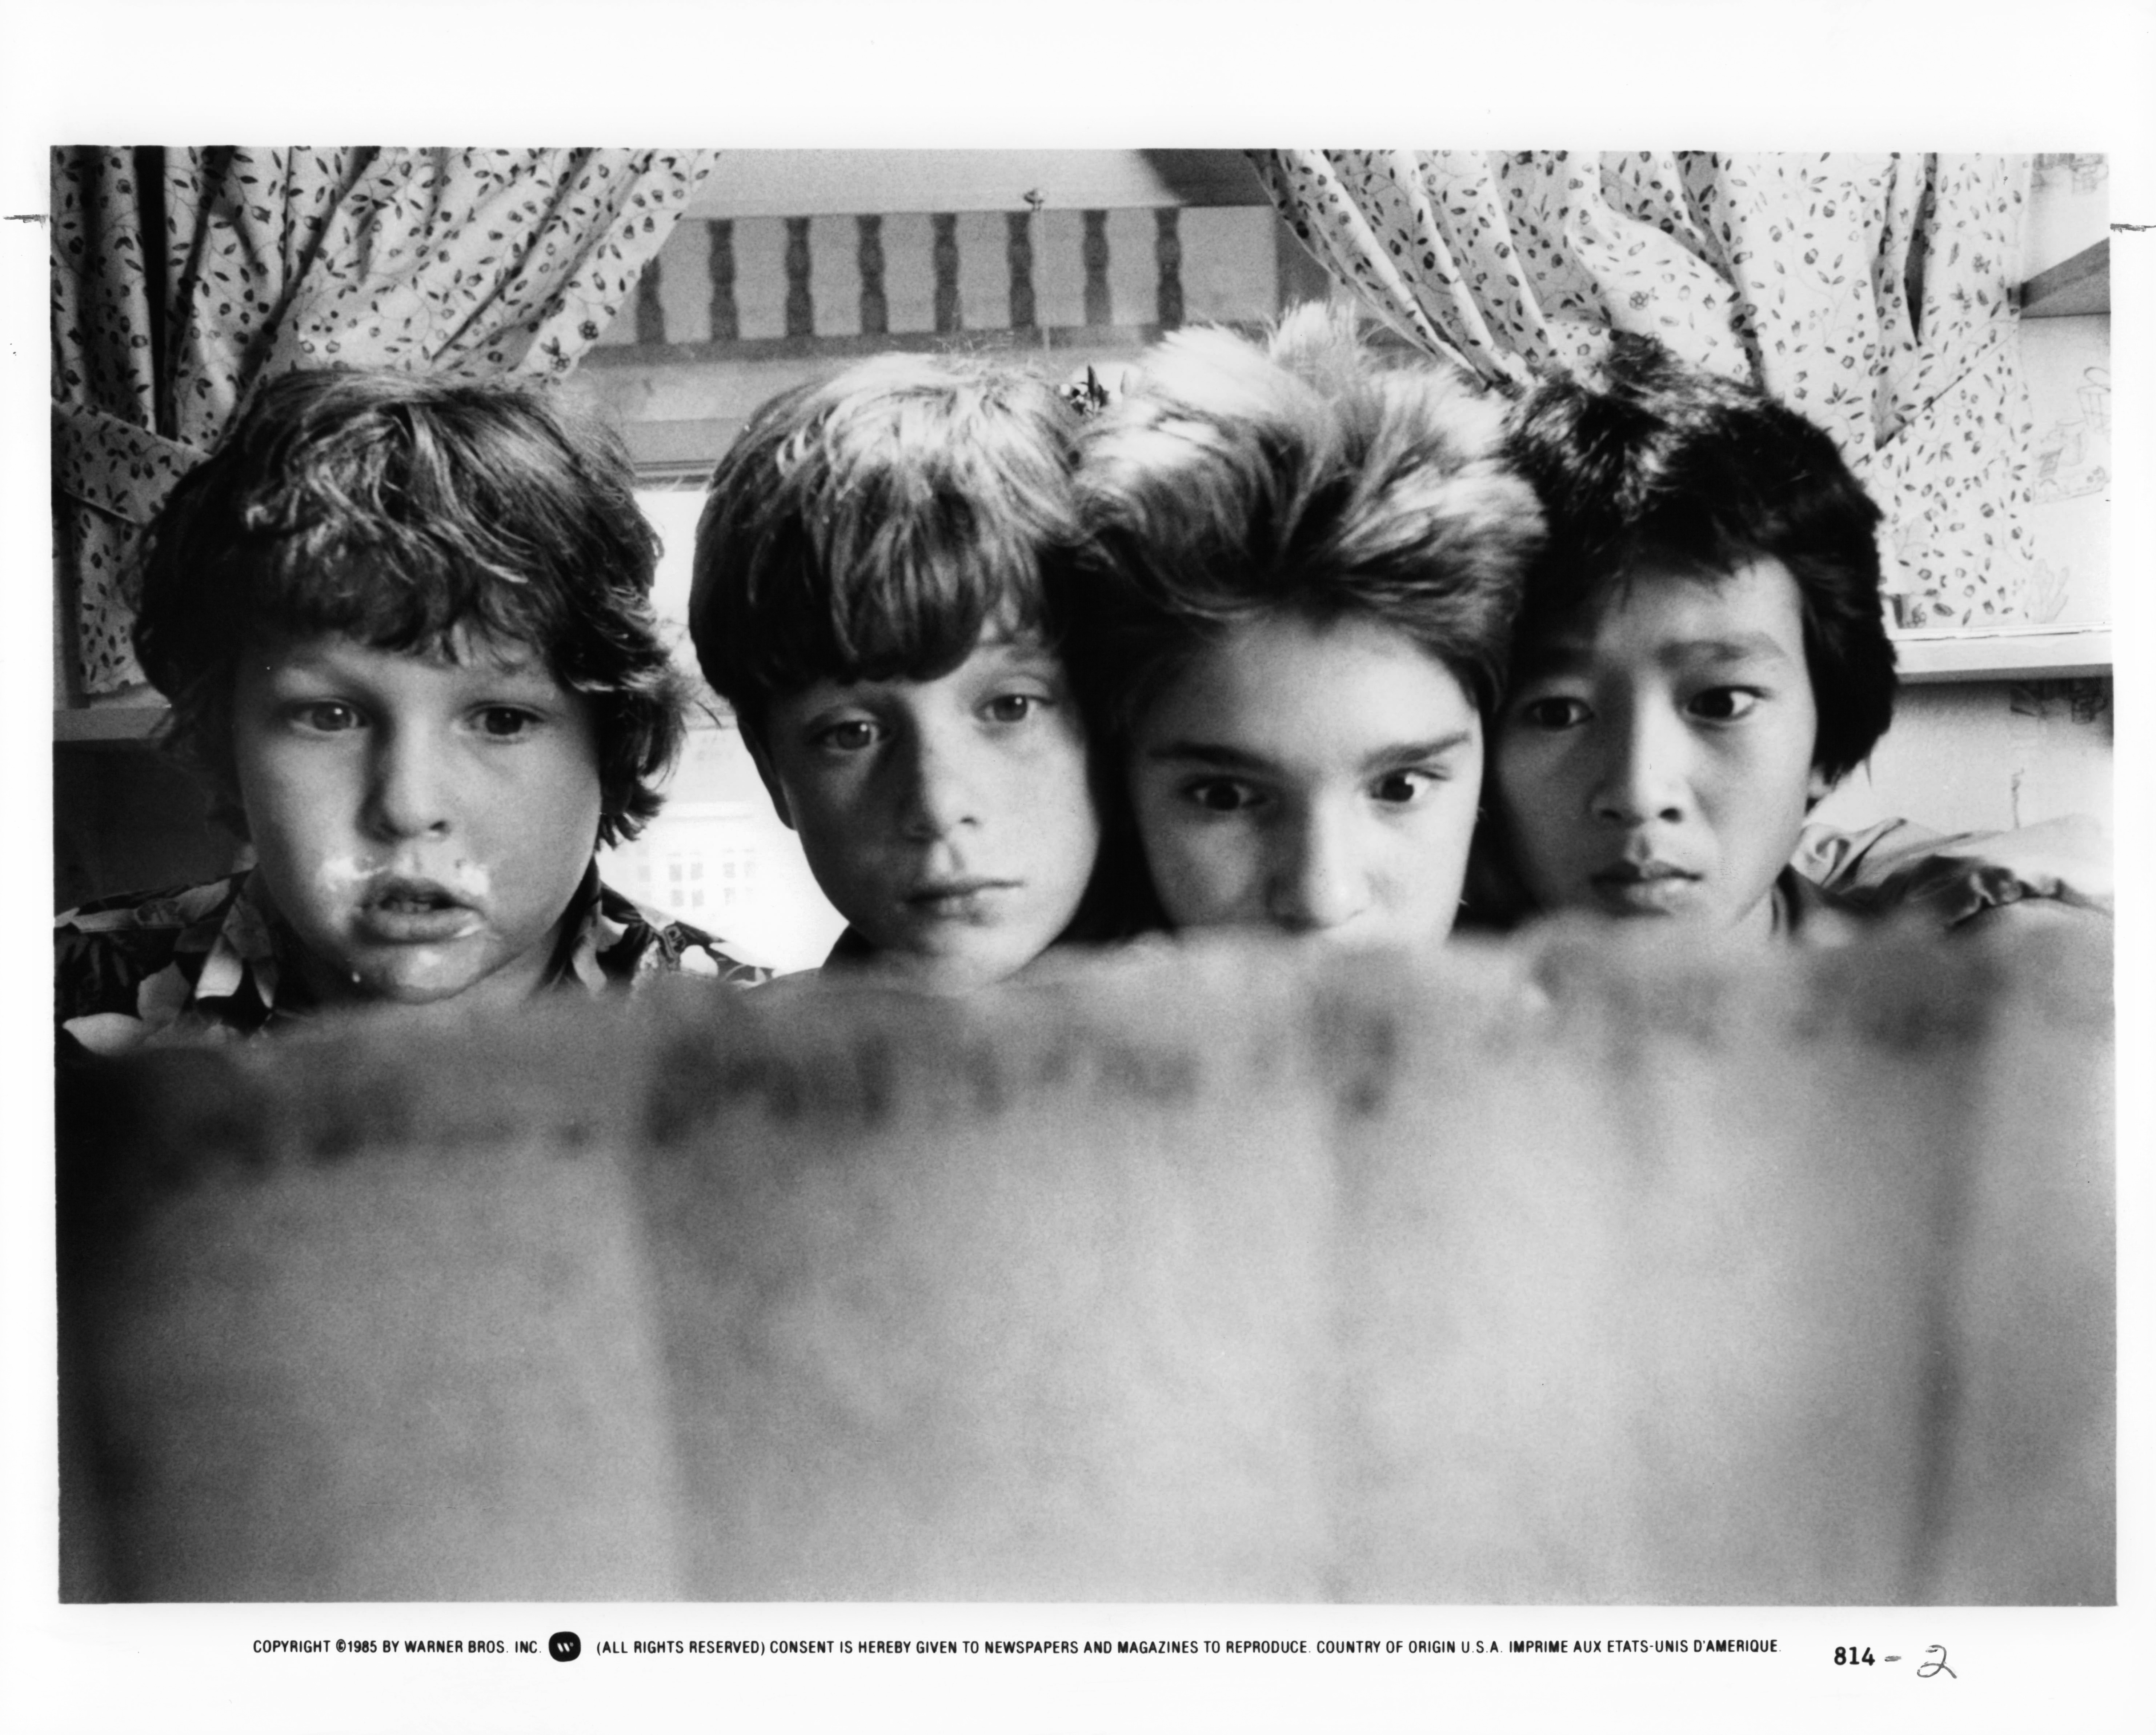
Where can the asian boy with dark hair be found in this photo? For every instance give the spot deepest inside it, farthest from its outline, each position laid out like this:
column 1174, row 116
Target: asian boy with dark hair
column 1703, row 656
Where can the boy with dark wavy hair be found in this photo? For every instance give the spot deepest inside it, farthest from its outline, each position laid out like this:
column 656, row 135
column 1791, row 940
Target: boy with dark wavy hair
column 405, row 627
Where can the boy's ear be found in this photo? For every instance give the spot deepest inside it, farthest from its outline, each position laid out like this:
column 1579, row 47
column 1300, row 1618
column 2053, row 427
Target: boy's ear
column 1821, row 787
column 753, row 739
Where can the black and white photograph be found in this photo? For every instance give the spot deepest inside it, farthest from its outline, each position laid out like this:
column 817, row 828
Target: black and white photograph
column 1227, row 936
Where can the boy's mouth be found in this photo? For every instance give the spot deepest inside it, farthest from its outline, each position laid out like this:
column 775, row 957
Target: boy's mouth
column 969, row 896
column 402, row 911
column 1643, row 888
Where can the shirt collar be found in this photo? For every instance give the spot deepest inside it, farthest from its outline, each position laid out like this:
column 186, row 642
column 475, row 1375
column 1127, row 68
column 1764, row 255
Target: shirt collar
column 1806, row 915
column 587, row 934
column 242, row 952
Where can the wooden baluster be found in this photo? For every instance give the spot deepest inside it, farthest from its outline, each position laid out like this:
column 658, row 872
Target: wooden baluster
column 946, row 227
column 725, row 315
column 876, row 310
column 800, row 303
column 1096, row 256
column 1018, row 251
column 1167, row 256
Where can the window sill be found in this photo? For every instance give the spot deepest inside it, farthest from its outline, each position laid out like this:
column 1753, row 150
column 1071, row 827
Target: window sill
column 2011, row 654
column 106, row 723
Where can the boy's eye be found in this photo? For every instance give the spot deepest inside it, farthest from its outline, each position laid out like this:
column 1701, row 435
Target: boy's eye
column 1221, row 795
column 1554, row 711
column 1723, row 705
column 504, row 722
column 850, row 735
column 1013, row 707
column 325, row 716
column 1397, row 788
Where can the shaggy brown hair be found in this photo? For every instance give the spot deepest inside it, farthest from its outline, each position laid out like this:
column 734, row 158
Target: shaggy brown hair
column 403, row 511
column 867, row 527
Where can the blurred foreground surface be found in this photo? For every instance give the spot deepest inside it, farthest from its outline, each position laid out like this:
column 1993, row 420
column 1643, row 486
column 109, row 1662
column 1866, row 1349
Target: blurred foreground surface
column 1218, row 1275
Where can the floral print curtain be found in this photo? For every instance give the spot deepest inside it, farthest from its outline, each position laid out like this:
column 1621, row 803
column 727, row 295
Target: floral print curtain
column 1873, row 292
column 181, row 277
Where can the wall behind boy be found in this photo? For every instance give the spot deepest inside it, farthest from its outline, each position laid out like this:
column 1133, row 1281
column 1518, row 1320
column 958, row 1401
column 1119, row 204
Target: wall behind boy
column 126, row 818
column 1987, row 756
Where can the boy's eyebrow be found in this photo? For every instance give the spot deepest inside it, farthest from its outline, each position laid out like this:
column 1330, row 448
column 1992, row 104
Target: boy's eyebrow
column 1223, row 758
column 1741, row 648
column 1557, row 655
column 1407, row 753
column 1566, row 654
column 1219, row 756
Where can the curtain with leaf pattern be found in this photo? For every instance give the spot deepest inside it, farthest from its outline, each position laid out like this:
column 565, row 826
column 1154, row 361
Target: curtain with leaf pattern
column 1874, row 293
column 181, row 277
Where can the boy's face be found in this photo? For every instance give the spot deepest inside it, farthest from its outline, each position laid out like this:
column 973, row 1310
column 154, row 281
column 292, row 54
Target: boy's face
column 1315, row 779
column 949, row 821
column 422, row 824
column 1656, row 757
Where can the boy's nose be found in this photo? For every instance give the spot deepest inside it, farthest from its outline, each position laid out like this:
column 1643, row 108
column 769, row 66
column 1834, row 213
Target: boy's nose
column 1316, row 883
column 1642, row 778
column 407, row 795
column 941, row 794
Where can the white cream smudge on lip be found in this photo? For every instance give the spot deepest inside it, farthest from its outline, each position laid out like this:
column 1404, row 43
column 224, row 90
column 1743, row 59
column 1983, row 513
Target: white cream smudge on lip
column 446, row 907
column 416, row 951
column 347, row 876
column 343, row 875
column 468, row 879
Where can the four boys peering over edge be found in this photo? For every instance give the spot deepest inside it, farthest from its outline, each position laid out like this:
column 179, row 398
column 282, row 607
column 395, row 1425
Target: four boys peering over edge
column 1293, row 634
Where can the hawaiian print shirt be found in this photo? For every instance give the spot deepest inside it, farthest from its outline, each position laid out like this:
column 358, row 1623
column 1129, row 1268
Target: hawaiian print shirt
column 210, row 960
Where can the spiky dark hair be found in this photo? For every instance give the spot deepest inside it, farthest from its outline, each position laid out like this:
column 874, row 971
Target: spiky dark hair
column 1651, row 459
column 1310, row 475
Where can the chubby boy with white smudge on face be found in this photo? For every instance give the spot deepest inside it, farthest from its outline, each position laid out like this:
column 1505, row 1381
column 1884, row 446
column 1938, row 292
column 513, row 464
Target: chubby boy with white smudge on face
column 405, row 628
column 420, row 822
